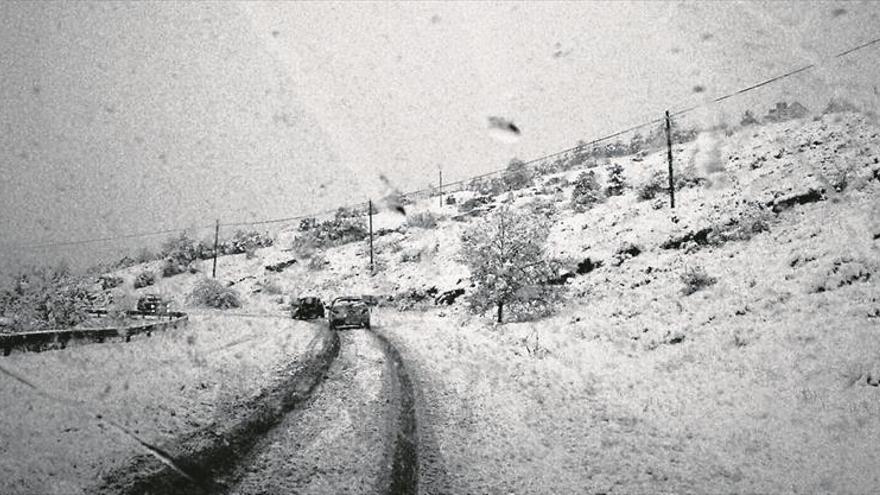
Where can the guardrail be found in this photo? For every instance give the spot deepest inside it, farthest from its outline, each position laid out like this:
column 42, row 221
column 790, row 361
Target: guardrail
column 45, row 340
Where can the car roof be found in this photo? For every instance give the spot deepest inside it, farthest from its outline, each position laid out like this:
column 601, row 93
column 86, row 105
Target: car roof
column 348, row 299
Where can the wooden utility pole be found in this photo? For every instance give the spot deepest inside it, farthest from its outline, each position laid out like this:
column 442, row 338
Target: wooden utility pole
column 669, row 158
column 441, row 187
column 216, row 239
column 370, row 211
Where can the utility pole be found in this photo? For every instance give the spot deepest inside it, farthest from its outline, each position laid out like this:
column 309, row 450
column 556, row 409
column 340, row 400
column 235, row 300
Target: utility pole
column 216, row 238
column 669, row 158
column 441, row 187
column 370, row 211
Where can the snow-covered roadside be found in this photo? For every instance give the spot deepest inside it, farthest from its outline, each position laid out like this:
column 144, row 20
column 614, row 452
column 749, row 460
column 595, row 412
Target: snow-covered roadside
column 159, row 388
column 583, row 407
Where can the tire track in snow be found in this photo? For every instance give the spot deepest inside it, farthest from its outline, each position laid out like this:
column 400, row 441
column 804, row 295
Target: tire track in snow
column 338, row 441
column 404, row 476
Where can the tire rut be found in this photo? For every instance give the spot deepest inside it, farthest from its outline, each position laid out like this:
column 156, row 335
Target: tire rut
column 338, row 442
column 194, row 463
column 433, row 477
column 404, row 476
column 343, row 423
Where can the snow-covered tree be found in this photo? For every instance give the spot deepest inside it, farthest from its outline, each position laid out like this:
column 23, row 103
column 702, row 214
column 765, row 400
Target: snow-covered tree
column 616, row 180
column 586, row 192
column 517, row 175
column 505, row 253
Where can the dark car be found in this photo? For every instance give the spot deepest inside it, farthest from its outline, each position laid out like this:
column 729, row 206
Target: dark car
column 349, row 312
column 152, row 304
column 307, row 308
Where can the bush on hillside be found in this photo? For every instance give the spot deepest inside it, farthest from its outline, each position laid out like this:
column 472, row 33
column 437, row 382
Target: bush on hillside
column 658, row 182
column 695, row 279
column 350, row 212
column 329, row 233
column 625, row 252
column 213, row 294
column 121, row 302
column 110, row 281
column 145, row 278
column 574, row 158
column 45, row 298
column 144, row 255
column 587, row 191
column 557, row 180
column 548, row 167
column 270, row 287
column 616, row 181
column 839, row 105
column 688, row 177
column 543, row 207
column 183, row 249
column 307, row 224
column 172, row 267
column 517, row 175
column 422, row 220
column 752, row 222
column 245, row 242
column 786, row 111
column 317, row 262
column 487, row 186
column 748, row 119
column 475, row 202
column 412, row 255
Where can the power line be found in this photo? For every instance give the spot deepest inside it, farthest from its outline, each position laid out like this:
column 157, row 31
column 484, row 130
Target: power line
column 102, row 239
column 775, row 78
column 578, row 147
column 672, row 114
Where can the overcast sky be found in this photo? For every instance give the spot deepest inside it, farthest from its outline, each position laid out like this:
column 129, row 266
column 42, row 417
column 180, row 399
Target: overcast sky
column 127, row 117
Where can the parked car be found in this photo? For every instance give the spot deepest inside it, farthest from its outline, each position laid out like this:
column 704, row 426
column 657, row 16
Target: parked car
column 152, row 304
column 307, row 308
column 349, row 312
